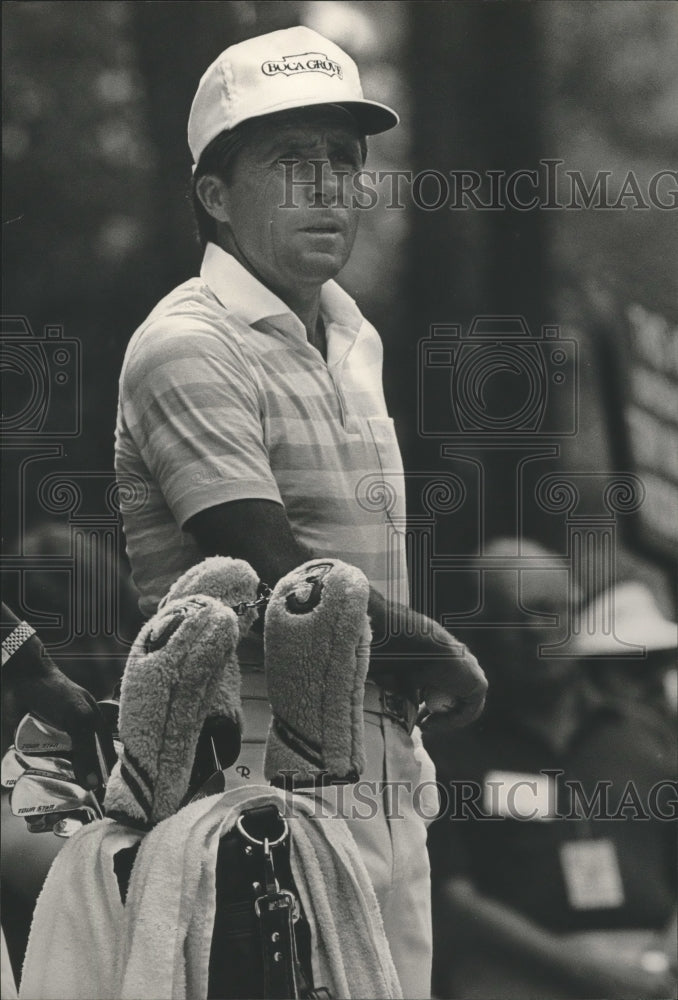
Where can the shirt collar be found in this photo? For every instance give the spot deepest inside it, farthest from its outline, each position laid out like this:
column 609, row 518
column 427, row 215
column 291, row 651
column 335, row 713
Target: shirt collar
column 251, row 301
column 238, row 290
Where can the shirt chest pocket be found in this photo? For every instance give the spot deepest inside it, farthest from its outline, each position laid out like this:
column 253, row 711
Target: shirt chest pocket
column 384, row 489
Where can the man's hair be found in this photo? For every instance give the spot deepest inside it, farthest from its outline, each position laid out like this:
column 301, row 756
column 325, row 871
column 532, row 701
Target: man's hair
column 218, row 158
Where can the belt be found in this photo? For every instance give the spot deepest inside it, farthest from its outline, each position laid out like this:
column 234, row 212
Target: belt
column 380, row 701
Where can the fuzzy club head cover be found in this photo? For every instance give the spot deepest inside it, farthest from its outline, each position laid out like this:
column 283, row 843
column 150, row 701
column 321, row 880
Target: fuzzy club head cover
column 231, row 581
column 317, row 642
column 181, row 679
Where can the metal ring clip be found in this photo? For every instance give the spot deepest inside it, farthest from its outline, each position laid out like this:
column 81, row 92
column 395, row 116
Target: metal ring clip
column 263, row 596
column 265, row 843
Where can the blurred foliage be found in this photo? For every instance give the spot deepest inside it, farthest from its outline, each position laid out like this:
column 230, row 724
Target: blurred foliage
column 611, row 73
column 76, row 152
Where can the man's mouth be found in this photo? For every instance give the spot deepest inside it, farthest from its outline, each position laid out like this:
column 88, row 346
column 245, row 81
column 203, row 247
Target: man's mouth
column 323, row 223
column 325, row 228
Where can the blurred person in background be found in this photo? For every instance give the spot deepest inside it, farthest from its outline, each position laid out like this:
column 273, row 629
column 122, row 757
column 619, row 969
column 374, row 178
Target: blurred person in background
column 540, row 888
column 650, row 675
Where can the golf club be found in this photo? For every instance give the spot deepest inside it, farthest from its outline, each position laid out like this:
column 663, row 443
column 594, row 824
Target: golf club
column 215, row 784
column 34, row 736
column 12, row 767
column 66, row 826
column 110, row 709
column 14, row 764
column 39, row 792
column 54, row 822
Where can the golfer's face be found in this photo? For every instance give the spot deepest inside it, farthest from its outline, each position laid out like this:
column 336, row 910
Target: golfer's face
column 290, row 197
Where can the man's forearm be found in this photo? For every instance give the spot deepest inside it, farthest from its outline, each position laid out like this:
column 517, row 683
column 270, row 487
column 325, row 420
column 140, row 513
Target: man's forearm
column 258, row 532
column 254, row 530
column 406, row 645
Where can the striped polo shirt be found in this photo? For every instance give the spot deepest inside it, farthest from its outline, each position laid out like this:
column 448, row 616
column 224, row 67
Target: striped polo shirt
column 223, row 398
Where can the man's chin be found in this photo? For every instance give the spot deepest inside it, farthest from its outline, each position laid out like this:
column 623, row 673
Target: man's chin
column 320, row 266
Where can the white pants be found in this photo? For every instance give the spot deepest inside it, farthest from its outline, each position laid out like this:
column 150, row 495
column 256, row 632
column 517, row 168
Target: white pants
column 392, row 844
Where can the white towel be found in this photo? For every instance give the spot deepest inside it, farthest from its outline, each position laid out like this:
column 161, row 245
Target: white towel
column 171, row 901
column 7, row 984
column 78, row 918
column 351, row 955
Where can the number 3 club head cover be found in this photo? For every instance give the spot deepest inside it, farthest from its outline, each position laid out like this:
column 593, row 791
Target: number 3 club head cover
column 181, row 674
column 317, row 643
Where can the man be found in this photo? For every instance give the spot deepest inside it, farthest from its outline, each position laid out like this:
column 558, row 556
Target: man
column 556, row 876
column 251, row 411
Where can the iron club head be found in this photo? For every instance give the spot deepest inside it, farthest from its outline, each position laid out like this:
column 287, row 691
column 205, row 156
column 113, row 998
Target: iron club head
column 33, row 736
column 60, row 823
column 37, row 737
column 12, row 767
column 39, row 792
column 14, row 764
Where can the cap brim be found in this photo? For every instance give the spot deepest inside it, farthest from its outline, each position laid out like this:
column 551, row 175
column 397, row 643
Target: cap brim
column 660, row 637
column 371, row 116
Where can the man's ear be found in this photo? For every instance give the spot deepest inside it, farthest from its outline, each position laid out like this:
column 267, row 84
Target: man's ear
column 213, row 194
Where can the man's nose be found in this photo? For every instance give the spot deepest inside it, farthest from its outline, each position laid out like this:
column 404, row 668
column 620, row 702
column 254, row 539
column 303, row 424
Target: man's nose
column 324, row 180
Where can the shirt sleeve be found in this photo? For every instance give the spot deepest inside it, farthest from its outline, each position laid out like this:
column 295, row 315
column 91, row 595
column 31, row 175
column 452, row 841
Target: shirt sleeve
column 191, row 405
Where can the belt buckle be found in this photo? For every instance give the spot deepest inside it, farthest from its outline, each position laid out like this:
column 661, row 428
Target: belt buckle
column 396, row 707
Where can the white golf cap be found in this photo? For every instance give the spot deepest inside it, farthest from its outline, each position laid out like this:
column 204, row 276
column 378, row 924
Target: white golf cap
column 294, row 68
column 636, row 618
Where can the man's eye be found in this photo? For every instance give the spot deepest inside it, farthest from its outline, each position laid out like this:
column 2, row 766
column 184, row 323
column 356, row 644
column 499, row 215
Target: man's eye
column 347, row 163
column 347, row 158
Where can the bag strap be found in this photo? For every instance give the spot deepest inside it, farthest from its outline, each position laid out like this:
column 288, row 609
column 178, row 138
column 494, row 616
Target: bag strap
column 264, row 829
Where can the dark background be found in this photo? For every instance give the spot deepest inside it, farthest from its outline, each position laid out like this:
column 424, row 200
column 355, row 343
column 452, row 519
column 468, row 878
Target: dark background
column 97, row 227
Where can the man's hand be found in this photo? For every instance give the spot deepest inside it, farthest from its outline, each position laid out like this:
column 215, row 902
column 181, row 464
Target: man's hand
column 454, row 684
column 69, row 707
column 33, row 683
column 418, row 653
